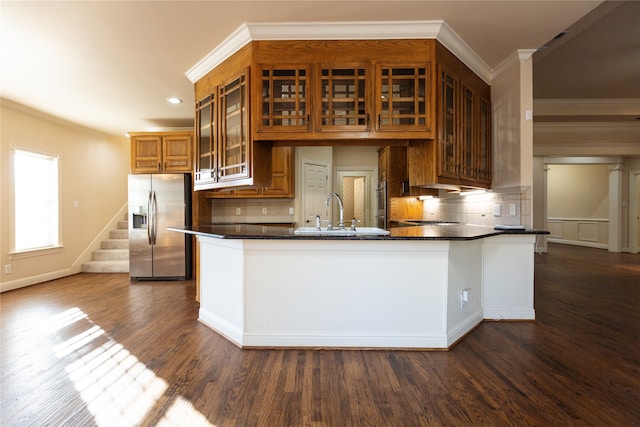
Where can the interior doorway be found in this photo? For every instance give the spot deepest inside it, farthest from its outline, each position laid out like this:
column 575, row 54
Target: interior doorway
column 356, row 189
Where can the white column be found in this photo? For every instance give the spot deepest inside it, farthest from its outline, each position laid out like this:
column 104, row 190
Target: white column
column 615, row 206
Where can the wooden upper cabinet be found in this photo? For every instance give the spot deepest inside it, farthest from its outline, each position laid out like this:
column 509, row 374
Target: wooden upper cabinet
column 226, row 156
column 161, row 152
column 413, row 93
column 346, row 91
column 460, row 155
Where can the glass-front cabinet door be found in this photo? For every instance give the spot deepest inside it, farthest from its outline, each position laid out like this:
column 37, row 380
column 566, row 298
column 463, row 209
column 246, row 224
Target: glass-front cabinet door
column 448, row 117
column 205, row 167
column 233, row 152
column 284, row 103
column 343, row 100
column 402, row 98
column 468, row 167
column 484, row 142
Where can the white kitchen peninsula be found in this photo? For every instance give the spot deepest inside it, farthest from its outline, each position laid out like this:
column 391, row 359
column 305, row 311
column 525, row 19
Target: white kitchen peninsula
column 420, row 287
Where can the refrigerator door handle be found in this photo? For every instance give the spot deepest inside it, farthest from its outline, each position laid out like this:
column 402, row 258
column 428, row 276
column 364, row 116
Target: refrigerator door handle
column 149, row 217
column 154, row 218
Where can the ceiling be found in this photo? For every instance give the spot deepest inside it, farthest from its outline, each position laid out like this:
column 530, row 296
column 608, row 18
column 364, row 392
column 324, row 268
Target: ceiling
column 110, row 65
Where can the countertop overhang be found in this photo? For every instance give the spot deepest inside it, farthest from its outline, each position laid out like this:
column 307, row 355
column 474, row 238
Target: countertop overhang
column 418, row 232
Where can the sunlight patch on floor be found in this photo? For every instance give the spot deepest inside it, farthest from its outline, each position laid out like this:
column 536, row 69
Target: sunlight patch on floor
column 117, row 388
column 182, row 413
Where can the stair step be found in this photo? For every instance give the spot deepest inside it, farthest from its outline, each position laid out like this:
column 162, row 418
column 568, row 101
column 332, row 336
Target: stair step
column 123, row 225
column 119, row 234
column 106, row 267
column 110, row 255
column 115, row 244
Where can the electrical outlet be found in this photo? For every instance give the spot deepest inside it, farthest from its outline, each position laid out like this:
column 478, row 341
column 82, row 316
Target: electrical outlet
column 7, row 269
column 512, row 209
column 290, row 211
column 496, row 210
column 264, row 211
column 238, row 211
column 464, row 298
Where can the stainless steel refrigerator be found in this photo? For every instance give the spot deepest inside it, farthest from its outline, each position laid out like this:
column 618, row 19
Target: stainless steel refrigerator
column 158, row 201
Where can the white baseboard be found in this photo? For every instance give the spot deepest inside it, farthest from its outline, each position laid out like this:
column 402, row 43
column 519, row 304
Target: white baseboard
column 507, row 313
column 34, row 280
column 578, row 243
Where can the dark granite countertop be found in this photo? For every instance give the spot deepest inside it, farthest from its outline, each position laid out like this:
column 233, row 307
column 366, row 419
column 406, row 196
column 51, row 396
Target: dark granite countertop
column 423, row 232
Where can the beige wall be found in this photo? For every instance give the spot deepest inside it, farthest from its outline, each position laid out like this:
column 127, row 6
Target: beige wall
column 511, row 97
column 578, row 191
column 93, row 171
column 355, row 157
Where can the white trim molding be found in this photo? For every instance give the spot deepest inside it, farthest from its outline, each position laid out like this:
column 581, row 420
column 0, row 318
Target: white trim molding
column 365, row 30
column 587, row 107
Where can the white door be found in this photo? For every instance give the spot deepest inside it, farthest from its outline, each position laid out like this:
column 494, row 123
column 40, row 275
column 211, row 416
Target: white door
column 315, row 192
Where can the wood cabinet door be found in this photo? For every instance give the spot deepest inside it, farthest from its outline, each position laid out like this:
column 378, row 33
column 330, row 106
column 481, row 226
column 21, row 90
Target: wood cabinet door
column 283, row 103
column 468, row 134
column 177, row 153
column 233, row 154
column 342, row 98
column 146, row 154
column 282, row 173
column 206, row 141
column 484, row 142
column 403, row 99
column 448, row 163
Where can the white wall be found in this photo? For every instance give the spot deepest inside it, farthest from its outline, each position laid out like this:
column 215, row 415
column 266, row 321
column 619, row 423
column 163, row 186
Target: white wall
column 93, row 170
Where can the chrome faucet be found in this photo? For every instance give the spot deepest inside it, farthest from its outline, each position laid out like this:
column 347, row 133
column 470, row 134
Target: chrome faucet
column 337, row 196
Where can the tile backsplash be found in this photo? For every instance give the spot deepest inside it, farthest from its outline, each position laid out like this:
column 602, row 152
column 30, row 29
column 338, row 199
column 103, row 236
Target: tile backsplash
column 252, row 210
column 508, row 206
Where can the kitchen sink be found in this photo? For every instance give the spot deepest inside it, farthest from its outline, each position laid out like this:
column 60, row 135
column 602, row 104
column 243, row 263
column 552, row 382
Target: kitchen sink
column 360, row 231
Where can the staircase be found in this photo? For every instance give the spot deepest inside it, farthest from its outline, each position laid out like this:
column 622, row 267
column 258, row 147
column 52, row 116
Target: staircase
column 113, row 255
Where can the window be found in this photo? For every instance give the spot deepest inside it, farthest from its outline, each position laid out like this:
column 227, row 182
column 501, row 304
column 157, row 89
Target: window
column 36, row 218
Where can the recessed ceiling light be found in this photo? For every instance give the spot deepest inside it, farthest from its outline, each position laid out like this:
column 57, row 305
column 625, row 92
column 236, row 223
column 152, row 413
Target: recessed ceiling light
column 174, row 100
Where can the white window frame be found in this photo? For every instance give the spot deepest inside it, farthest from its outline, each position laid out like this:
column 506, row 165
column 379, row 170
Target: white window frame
column 16, row 253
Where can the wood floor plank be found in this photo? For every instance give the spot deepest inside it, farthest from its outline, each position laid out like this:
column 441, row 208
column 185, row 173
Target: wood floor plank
column 98, row 349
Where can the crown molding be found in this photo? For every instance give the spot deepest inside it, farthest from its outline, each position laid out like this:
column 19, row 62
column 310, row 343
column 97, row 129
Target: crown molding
column 234, row 42
column 520, row 56
column 367, row 30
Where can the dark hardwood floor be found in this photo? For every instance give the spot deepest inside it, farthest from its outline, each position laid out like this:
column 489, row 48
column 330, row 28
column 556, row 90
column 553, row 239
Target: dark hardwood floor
column 96, row 349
